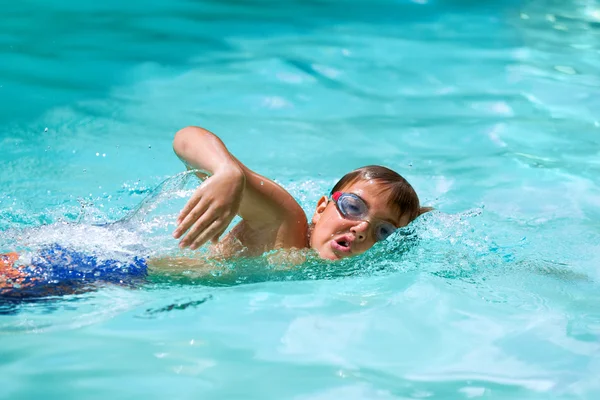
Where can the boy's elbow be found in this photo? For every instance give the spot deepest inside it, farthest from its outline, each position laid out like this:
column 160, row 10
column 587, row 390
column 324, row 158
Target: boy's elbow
column 183, row 138
column 179, row 142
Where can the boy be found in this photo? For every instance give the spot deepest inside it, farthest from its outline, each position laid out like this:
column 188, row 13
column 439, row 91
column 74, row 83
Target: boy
column 365, row 206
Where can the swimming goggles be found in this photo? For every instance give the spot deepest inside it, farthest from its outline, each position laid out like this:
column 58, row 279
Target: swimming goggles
column 351, row 206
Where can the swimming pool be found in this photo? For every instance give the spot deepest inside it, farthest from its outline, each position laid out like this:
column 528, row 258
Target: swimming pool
column 490, row 111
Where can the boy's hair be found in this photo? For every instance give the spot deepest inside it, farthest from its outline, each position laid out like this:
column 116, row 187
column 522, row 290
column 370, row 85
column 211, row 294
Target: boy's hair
column 401, row 194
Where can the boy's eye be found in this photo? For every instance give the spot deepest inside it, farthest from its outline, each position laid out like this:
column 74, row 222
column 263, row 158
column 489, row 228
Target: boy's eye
column 353, row 207
column 384, row 231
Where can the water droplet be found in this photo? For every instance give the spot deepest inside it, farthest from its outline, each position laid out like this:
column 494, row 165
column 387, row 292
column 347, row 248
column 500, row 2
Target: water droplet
column 97, row 154
column 103, row 154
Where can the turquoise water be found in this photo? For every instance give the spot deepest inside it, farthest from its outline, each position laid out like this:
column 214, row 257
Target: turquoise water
column 490, row 109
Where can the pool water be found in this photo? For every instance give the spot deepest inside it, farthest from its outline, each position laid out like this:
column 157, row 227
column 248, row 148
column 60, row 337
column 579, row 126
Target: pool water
column 490, row 110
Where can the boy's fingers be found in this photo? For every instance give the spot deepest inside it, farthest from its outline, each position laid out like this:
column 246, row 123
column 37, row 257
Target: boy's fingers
column 190, row 219
column 198, row 228
column 207, row 233
column 189, row 206
column 185, row 211
column 194, row 232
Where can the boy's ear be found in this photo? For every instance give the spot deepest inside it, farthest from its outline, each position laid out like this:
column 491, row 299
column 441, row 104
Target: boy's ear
column 423, row 210
column 321, row 205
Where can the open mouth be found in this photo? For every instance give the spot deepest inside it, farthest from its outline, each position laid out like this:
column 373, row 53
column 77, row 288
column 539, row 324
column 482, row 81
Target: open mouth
column 342, row 244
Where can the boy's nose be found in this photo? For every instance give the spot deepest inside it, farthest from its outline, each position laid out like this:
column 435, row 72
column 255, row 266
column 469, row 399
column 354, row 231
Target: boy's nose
column 360, row 230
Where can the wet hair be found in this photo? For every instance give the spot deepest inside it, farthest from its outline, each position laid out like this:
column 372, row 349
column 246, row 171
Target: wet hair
column 401, row 194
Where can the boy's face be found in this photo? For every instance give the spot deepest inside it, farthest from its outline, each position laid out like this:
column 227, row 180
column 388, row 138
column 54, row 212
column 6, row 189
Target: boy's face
column 335, row 236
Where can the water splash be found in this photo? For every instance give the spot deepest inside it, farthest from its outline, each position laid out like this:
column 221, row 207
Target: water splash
column 143, row 230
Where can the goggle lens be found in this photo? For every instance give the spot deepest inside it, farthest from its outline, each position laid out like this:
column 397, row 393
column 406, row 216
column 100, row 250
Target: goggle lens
column 352, row 206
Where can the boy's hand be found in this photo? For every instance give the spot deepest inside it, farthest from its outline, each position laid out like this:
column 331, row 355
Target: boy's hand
column 211, row 208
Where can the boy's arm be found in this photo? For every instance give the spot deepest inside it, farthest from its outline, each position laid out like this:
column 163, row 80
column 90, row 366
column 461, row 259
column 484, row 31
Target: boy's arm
column 232, row 189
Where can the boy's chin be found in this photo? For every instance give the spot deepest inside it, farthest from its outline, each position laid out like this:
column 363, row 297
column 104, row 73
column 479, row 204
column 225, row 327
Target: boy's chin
column 328, row 254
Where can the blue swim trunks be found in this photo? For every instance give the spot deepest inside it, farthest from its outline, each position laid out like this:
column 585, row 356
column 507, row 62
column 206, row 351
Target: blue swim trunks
column 56, row 270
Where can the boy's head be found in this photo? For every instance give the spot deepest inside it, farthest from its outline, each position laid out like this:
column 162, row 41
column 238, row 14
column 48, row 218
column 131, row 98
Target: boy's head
column 365, row 206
